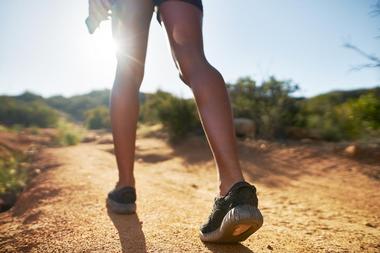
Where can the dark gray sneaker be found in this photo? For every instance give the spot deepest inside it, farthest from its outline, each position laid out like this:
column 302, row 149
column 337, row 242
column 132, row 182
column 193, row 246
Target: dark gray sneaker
column 122, row 200
column 234, row 217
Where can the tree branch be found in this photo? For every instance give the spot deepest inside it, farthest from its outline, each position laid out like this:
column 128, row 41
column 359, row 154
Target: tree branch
column 375, row 61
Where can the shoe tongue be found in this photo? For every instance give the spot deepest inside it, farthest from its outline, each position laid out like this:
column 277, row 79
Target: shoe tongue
column 238, row 185
column 127, row 189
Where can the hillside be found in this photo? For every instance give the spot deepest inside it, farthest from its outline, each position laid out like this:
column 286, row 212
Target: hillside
column 337, row 97
column 75, row 106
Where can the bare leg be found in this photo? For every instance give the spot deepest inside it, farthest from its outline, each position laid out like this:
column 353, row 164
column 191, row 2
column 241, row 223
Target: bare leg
column 183, row 25
column 130, row 29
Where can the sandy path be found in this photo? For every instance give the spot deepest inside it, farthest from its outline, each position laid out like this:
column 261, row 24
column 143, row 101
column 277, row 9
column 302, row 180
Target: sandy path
column 311, row 201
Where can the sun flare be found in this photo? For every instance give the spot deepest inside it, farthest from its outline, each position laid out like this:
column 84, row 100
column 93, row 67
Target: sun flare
column 99, row 50
column 104, row 43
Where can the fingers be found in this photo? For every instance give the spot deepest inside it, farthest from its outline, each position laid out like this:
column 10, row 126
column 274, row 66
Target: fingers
column 99, row 10
column 107, row 4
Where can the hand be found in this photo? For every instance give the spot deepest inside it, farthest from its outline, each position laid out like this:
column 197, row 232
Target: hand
column 98, row 11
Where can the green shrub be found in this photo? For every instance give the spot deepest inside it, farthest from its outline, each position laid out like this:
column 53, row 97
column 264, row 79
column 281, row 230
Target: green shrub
column 34, row 130
column 98, row 118
column 353, row 119
column 270, row 105
column 12, row 176
column 68, row 134
column 179, row 116
column 149, row 111
column 3, row 128
column 360, row 118
column 367, row 110
column 25, row 114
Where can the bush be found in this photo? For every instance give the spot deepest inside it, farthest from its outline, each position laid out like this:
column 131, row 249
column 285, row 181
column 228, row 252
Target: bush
column 3, row 128
column 178, row 116
column 12, row 176
column 359, row 118
column 355, row 118
column 367, row 110
column 26, row 114
column 76, row 106
column 68, row 134
column 98, row 118
column 269, row 105
column 149, row 111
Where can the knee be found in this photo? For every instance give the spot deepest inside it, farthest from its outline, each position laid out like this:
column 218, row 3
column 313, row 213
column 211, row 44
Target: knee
column 129, row 75
column 190, row 64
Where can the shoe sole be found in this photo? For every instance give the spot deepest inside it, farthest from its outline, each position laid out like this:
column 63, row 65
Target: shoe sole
column 237, row 225
column 121, row 208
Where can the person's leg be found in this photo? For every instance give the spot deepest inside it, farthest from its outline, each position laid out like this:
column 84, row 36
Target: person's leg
column 130, row 25
column 183, row 24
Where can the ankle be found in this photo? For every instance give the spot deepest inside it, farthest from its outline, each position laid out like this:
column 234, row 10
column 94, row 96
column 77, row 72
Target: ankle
column 225, row 186
column 123, row 183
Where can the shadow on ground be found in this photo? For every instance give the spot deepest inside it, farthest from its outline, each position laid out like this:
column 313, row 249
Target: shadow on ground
column 264, row 165
column 129, row 227
column 227, row 248
column 32, row 198
column 275, row 164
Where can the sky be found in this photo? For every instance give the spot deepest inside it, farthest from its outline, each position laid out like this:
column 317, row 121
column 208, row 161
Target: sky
column 45, row 47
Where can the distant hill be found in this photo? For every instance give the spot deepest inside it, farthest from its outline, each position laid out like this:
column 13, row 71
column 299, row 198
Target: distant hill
column 73, row 107
column 326, row 101
column 27, row 109
column 28, row 96
column 76, row 106
column 339, row 96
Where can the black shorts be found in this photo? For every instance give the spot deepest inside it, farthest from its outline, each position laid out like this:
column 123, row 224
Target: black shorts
column 197, row 3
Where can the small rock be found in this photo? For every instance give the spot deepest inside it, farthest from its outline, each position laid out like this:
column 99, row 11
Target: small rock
column 370, row 225
column 90, row 138
column 351, row 150
column 106, row 140
column 306, row 140
column 194, row 186
column 269, row 247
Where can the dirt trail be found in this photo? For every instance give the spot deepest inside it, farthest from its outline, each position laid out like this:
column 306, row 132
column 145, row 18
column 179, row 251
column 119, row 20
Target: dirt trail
column 312, row 201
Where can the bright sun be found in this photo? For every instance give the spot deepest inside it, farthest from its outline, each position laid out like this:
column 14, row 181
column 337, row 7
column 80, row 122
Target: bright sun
column 103, row 41
column 101, row 49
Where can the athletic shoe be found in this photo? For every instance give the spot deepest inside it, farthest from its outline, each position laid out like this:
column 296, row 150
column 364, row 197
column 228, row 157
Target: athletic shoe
column 234, row 217
column 122, row 200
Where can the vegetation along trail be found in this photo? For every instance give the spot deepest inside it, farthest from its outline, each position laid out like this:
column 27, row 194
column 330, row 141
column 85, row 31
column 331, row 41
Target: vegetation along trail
column 312, row 199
